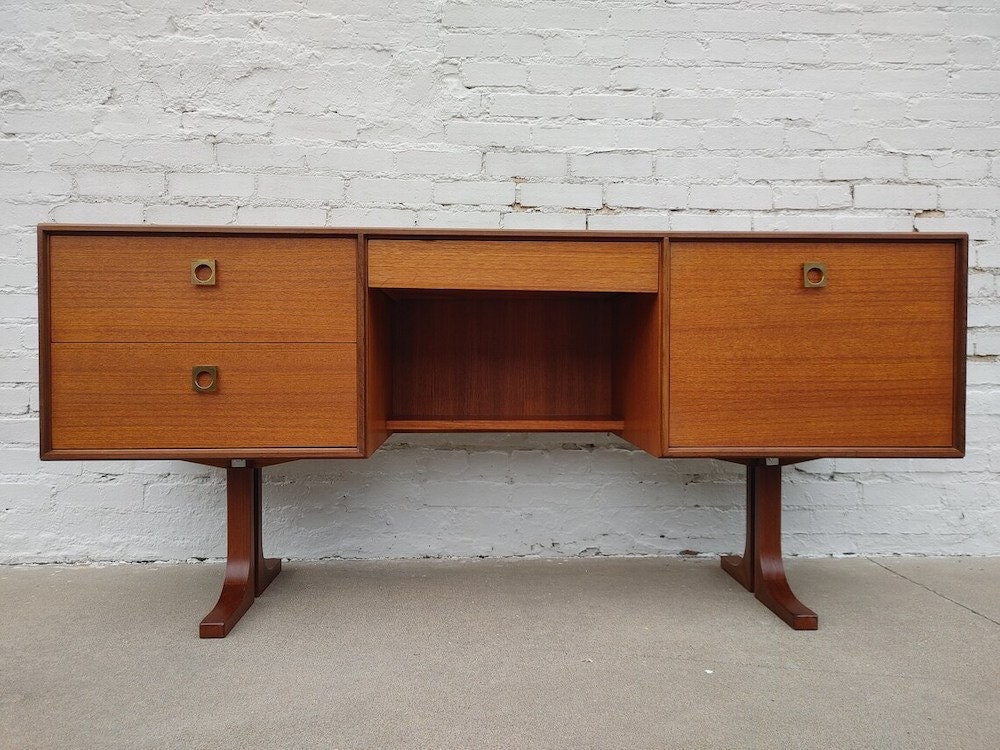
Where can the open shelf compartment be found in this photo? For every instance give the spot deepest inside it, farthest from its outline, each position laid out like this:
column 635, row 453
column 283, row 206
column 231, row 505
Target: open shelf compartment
column 476, row 361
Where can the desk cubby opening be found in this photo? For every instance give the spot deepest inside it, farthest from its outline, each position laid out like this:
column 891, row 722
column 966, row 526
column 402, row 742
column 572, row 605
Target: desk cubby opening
column 507, row 361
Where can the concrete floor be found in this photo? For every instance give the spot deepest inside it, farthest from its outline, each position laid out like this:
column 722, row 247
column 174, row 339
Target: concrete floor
column 582, row 653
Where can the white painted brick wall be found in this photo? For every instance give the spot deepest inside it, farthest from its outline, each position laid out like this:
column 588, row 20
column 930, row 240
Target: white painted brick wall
column 872, row 115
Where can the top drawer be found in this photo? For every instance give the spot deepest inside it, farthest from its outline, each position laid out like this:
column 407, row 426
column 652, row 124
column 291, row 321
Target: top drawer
column 142, row 287
column 530, row 265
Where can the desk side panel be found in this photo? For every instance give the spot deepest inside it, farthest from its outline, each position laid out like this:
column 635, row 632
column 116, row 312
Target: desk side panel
column 378, row 369
column 639, row 358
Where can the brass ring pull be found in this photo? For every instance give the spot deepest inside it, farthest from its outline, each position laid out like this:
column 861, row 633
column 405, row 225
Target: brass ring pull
column 813, row 275
column 205, row 378
column 203, row 272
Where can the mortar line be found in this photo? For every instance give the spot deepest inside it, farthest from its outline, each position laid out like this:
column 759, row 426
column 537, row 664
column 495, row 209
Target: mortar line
column 936, row 593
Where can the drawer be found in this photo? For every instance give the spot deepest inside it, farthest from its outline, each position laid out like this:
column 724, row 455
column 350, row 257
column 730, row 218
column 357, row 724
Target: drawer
column 759, row 360
column 139, row 287
column 532, row 265
column 138, row 396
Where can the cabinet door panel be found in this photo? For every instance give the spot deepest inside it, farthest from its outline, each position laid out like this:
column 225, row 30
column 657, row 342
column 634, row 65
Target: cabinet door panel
column 757, row 360
column 140, row 396
column 139, row 287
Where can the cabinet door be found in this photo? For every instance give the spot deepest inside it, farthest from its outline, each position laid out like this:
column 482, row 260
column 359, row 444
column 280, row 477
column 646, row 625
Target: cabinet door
column 759, row 360
column 179, row 287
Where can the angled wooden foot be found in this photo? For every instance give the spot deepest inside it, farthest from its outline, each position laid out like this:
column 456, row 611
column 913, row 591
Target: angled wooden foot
column 760, row 569
column 248, row 572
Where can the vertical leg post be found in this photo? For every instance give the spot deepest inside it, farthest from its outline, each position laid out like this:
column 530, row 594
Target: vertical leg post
column 761, row 569
column 741, row 567
column 267, row 568
column 248, row 572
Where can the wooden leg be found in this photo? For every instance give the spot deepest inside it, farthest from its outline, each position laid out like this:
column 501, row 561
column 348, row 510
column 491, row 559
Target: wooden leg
column 267, row 568
column 741, row 567
column 761, row 569
column 248, row 572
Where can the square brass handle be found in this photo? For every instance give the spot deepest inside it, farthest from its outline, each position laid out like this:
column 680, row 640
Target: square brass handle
column 205, row 378
column 813, row 275
column 203, row 272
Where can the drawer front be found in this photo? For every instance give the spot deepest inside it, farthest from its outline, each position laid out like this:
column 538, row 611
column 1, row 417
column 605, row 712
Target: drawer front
column 140, row 396
column 533, row 265
column 140, row 288
column 758, row 360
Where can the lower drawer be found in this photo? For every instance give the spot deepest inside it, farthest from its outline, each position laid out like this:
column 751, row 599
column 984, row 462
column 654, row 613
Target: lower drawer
column 142, row 396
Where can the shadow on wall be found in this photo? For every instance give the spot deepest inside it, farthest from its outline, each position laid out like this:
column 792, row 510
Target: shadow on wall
column 503, row 495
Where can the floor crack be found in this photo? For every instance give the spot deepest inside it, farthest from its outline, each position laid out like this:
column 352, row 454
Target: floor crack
column 936, row 593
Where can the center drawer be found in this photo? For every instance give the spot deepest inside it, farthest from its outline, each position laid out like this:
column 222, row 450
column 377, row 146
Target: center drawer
column 179, row 287
column 515, row 264
column 143, row 396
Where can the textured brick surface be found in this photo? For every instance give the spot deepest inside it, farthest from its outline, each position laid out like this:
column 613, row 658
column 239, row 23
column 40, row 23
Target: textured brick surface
column 864, row 116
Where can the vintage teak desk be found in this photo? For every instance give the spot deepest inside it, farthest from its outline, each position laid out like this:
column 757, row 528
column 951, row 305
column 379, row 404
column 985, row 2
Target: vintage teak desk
column 242, row 348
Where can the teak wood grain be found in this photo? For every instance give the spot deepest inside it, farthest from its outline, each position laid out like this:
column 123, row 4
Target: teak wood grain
column 506, row 425
column 516, row 264
column 378, row 369
column 637, row 363
column 137, row 287
column 486, row 357
column 139, row 396
column 634, row 362
column 756, row 360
